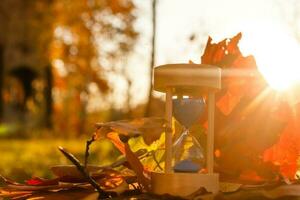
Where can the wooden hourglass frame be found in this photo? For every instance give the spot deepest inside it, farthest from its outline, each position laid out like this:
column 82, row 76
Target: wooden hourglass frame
column 190, row 80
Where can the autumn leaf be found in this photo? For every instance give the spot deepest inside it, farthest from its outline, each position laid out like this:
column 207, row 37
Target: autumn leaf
column 285, row 153
column 246, row 123
column 137, row 167
column 71, row 170
column 114, row 138
column 36, row 181
column 14, row 194
column 132, row 158
column 149, row 128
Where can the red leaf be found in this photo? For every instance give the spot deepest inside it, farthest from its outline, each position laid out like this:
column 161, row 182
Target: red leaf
column 36, row 181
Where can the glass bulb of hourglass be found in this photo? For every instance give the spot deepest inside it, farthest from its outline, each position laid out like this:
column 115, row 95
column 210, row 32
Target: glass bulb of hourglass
column 187, row 112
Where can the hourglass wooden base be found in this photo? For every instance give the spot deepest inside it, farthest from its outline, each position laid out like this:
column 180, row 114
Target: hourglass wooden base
column 183, row 184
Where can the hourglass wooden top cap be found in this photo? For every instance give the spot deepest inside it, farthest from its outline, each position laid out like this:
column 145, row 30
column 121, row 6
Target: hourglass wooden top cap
column 187, row 79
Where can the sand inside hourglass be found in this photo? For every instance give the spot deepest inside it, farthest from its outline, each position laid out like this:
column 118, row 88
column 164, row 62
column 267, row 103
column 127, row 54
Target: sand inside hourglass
column 188, row 154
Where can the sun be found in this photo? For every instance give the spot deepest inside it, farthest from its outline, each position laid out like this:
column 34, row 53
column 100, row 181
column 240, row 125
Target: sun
column 277, row 54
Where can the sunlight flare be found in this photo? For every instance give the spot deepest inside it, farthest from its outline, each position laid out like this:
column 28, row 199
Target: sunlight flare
column 276, row 52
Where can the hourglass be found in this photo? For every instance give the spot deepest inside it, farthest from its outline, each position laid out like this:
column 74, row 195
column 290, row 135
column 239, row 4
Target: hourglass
column 194, row 87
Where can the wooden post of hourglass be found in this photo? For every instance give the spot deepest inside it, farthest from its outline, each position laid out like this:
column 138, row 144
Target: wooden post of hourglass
column 210, row 133
column 168, row 134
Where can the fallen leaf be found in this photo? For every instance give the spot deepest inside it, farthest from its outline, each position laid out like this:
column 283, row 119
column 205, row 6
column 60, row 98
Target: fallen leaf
column 137, row 167
column 227, row 187
column 245, row 121
column 149, row 128
column 115, row 139
column 72, row 171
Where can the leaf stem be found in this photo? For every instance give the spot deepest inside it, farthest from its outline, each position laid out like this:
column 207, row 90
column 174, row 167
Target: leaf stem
column 87, row 148
column 82, row 170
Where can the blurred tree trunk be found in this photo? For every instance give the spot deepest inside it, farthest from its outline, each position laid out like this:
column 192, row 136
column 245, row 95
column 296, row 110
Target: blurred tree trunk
column 152, row 60
column 82, row 115
column 1, row 80
column 48, row 96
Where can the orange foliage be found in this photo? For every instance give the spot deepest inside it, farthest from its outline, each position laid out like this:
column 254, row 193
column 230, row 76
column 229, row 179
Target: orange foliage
column 78, row 52
column 114, row 138
column 249, row 119
column 286, row 151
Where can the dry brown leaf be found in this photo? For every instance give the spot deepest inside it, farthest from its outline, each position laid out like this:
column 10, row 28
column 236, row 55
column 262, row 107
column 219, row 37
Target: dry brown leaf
column 227, row 187
column 11, row 194
column 71, row 170
column 149, row 128
column 137, row 167
column 66, row 195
